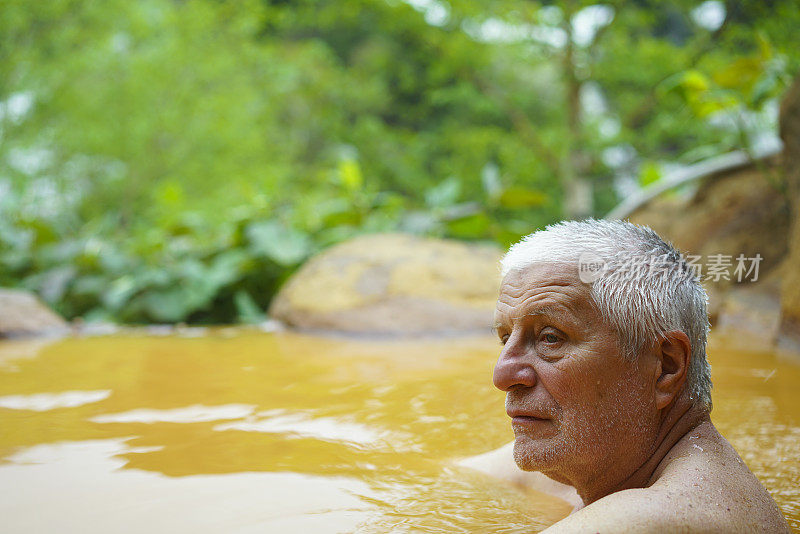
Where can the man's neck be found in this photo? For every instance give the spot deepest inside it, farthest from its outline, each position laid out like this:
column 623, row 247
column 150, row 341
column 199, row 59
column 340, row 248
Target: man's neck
column 677, row 421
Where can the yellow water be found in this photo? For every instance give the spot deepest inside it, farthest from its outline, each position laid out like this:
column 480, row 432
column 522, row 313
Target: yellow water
column 241, row 431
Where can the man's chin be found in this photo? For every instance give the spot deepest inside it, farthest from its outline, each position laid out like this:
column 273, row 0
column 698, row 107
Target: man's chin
column 535, row 454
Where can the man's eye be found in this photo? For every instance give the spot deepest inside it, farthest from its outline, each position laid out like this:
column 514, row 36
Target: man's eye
column 550, row 338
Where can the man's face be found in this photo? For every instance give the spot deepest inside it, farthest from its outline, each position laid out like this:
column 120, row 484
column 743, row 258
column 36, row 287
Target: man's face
column 577, row 405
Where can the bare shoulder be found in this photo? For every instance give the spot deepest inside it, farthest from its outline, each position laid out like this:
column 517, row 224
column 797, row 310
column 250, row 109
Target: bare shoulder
column 703, row 468
column 702, row 486
column 656, row 510
column 633, row 510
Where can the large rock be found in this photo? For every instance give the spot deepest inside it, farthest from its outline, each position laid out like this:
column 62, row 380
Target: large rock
column 749, row 313
column 739, row 212
column 22, row 314
column 393, row 284
column 732, row 213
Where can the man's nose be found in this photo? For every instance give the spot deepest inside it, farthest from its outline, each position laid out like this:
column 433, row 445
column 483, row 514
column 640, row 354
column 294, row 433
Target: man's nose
column 513, row 368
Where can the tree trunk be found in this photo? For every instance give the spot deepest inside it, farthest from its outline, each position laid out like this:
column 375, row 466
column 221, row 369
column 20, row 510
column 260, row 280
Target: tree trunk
column 790, row 290
column 578, row 197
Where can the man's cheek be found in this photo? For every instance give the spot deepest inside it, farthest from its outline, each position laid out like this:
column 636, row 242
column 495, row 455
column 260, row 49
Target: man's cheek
column 576, row 387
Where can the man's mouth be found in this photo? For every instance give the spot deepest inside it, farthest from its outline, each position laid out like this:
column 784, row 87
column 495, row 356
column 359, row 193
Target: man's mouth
column 526, row 417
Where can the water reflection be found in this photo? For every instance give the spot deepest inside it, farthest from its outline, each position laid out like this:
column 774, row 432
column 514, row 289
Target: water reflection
column 41, row 402
column 83, row 487
column 302, row 425
column 340, row 435
column 189, row 414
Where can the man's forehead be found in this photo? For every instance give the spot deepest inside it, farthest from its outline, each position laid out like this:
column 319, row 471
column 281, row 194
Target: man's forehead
column 537, row 272
column 550, row 289
column 541, row 275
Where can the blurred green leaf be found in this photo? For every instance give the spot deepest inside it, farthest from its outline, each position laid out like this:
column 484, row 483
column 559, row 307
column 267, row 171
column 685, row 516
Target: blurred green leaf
column 741, row 74
column 92, row 286
column 694, row 82
column 444, row 194
column 170, row 195
column 519, row 197
column 169, row 305
column 490, row 179
column 471, row 227
column 350, row 174
column 278, row 243
column 119, row 292
column 226, row 267
column 649, row 173
column 247, row 309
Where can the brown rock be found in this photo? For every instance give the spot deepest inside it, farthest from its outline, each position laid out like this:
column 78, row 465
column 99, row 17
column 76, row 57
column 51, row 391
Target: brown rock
column 750, row 316
column 738, row 213
column 741, row 212
column 393, row 284
column 22, row 314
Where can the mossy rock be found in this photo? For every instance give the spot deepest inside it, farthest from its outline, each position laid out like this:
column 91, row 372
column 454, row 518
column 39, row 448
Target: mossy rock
column 393, row 284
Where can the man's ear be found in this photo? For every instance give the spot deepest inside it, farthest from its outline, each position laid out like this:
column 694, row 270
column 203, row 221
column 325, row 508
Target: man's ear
column 673, row 352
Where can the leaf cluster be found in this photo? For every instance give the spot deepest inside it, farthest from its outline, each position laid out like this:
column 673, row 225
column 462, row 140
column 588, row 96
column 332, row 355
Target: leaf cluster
column 166, row 161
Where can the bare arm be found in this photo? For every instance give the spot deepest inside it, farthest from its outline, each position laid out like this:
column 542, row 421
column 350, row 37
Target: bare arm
column 499, row 463
column 628, row 512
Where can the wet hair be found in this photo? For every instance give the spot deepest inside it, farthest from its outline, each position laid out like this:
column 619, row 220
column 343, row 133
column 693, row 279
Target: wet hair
column 641, row 285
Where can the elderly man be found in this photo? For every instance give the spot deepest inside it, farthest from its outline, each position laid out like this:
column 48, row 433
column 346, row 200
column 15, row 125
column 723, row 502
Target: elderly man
column 607, row 386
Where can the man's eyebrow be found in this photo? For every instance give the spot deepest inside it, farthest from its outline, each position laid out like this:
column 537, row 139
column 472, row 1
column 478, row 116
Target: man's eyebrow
column 545, row 310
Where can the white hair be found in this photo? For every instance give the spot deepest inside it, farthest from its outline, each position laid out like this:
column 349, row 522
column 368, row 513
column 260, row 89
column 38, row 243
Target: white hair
column 644, row 289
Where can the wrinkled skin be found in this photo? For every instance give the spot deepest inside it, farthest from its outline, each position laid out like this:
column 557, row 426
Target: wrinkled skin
column 561, row 362
column 642, row 455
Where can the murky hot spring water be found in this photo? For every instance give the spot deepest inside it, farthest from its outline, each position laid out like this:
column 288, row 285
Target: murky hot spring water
column 237, row 431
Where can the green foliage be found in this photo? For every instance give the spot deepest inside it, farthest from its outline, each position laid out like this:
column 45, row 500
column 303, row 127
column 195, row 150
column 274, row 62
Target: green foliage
column 649, row 173
column 166, row 161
